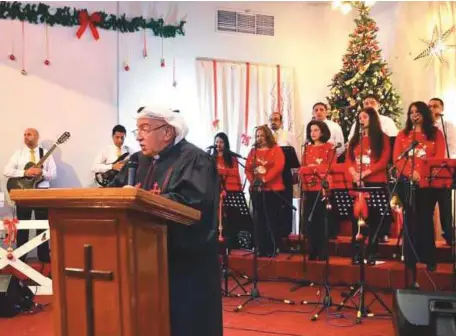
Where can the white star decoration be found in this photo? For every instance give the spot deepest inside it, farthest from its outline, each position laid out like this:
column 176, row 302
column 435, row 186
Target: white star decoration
column 436, row 46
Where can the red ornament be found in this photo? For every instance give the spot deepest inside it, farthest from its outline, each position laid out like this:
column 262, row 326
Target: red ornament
column 24, row 72
column 126, row 68
column 47, row 62
column 9, row 253
column 162, row 63
column 12, row 57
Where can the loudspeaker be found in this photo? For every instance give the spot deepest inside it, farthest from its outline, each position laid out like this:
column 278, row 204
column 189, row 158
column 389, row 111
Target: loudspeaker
column 428, row 314
column 15, row 297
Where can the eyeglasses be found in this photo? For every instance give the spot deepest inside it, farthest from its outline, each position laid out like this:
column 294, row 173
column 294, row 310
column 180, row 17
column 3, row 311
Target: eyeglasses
column 146, row 130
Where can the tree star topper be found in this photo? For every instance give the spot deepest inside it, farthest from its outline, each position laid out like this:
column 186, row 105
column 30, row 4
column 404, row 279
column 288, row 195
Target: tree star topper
column 436, row 46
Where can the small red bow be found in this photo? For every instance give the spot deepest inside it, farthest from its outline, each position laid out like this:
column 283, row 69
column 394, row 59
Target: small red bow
column 86, row 20
column 215, row 124
column 11, row 230
column 245, row 139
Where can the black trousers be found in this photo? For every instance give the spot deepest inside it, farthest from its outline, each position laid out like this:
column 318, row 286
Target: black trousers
column 374, row 220
column 23, row 235
column 266, row 217
column 315, row 229
column 419, row 237
column 286, row 220
column 446, row 219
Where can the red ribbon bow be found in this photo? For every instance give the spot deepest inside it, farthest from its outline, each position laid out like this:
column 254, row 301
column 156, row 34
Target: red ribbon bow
column 245, row 139
column 11, row 230
column 86, row 20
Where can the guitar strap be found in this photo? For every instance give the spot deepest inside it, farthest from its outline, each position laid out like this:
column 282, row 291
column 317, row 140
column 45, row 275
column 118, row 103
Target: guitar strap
column 41, row 152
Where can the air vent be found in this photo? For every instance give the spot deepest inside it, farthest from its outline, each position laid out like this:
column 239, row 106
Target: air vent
column 246, row 23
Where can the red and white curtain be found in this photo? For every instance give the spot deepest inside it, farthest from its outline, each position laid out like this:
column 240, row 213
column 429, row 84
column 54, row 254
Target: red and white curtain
column 237, row 97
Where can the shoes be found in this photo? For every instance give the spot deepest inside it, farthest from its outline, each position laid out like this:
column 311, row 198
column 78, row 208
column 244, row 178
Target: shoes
column 371, row 259
column 431, row 267
column 356, row 259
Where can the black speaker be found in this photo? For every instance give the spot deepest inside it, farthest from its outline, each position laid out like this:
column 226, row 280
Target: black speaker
column 429, row 314
column 15, row 297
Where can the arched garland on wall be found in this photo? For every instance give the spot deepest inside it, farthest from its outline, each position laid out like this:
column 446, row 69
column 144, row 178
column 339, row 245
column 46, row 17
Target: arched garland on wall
column 41, row 13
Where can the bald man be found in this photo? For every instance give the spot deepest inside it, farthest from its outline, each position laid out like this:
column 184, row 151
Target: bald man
column 31, row 152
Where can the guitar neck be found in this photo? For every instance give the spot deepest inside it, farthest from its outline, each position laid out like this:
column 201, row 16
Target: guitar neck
column 44, row 158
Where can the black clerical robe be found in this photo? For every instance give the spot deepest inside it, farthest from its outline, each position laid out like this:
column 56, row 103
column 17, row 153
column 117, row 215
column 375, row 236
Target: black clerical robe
column 188, row 175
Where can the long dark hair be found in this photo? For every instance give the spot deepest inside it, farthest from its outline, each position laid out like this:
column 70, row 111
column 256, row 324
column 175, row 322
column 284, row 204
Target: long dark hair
column 227, row 156
column 324, row 129
column 375, row 134
column 428, row 124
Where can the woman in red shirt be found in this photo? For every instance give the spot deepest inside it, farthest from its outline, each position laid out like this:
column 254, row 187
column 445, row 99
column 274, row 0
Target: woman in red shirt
column 230, row 181
column 367, row 160
column 264, row 168
column 317, row 152
column 431, row 144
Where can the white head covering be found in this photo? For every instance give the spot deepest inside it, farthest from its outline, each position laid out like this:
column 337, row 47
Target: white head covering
column 171, row 117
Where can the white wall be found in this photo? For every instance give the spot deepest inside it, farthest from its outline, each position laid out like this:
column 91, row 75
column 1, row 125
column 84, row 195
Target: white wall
column 77, row 93
column 307, row 38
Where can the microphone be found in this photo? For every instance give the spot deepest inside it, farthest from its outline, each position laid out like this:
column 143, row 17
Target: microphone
column 211, row 147
column 407, row 150
column 132, row 167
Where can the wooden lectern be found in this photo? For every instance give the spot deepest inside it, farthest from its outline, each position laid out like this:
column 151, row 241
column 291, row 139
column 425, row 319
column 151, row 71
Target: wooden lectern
column 109, row 258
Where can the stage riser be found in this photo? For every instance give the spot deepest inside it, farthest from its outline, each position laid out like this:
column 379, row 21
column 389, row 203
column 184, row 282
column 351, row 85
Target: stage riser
column 387, row 276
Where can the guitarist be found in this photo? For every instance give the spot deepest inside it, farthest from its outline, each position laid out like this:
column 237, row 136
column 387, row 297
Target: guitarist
column 108, row 155
column 15, row 168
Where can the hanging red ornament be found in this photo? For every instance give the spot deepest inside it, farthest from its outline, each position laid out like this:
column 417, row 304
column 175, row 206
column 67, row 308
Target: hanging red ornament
column 162, row 62
column 127, row 67
column 24, row 72
column 47, row 62
column 145, row 44
column 12, row 57
column 9, row 253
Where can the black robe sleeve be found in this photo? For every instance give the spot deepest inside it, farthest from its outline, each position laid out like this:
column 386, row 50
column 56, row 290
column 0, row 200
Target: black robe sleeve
column 195, row 183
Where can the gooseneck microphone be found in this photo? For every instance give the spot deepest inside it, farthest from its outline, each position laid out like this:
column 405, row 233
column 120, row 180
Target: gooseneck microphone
column 132, row 168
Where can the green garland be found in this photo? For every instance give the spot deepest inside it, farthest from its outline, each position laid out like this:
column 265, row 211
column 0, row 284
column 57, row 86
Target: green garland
column 69, row 17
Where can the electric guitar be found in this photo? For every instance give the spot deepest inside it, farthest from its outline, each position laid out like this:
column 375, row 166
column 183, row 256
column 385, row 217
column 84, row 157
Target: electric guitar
column 103, row 179
column 30, row 182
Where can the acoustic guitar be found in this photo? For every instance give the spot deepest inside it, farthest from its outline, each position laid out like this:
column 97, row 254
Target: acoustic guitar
column 30, row 182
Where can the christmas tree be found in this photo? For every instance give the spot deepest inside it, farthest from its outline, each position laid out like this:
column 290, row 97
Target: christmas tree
column 363, row 72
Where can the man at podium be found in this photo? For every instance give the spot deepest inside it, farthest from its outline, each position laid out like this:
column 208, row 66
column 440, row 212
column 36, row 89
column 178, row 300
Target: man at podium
column 175, row 169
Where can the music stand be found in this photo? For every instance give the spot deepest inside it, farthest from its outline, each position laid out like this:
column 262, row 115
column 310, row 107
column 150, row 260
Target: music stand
column 291, row 162
column 441, row 174
column 327, row 178
column 378, row 198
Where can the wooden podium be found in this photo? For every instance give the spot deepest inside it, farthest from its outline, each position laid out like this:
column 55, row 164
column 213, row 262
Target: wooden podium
column 109, row 258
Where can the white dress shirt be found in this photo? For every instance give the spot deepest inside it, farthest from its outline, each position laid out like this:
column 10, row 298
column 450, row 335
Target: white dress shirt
column 450, row 132
column 387, row 124
column 105, row 158
column 337, row 136
column 16, row 164
column 286, row 138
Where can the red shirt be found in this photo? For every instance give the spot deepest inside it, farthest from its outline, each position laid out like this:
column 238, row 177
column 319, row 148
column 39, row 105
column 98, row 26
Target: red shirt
column 317, row 154
column 426, row 149
column 230, row 178
column 378, row 167
column 269, row 166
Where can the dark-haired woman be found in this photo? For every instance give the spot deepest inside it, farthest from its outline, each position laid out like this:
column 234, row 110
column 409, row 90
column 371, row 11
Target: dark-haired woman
column 318, row 152
column 431, row 144
column 264, row 170
column 367, row 159
column 230, row 181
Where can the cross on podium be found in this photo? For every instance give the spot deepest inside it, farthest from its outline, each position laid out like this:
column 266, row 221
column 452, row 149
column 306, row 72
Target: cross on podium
column 88, row 274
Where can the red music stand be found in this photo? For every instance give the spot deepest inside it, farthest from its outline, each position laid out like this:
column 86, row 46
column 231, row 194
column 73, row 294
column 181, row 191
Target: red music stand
column 438, row 173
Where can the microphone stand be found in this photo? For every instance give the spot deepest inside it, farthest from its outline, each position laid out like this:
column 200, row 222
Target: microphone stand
column 255, row 294
column 302, row 283
column 411, row 208
column 327, row 300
